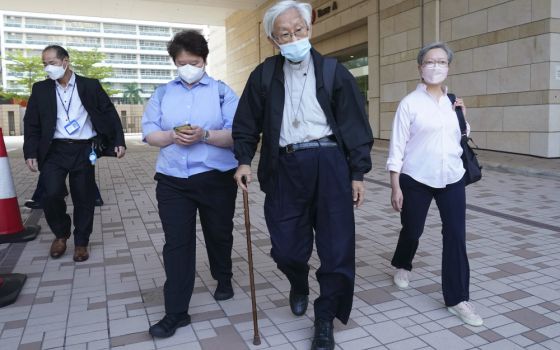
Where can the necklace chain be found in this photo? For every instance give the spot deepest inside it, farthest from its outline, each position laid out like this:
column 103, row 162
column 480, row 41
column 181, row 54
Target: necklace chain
column 295, row 121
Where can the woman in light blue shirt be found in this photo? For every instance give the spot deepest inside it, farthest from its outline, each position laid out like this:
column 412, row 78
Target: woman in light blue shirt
column 190, row 120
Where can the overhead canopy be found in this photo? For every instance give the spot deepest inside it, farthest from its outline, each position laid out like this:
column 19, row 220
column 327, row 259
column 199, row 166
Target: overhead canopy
column 206, row 12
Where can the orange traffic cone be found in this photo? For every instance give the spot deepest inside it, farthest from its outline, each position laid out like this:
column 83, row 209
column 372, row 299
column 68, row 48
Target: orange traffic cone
column 11, row 227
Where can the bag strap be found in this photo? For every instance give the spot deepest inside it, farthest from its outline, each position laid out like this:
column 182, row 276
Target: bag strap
column 460, row 116
column 266, row 75
column 329, row 69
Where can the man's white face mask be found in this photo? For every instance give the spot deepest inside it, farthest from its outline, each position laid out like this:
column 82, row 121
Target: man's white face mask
column 55, row 72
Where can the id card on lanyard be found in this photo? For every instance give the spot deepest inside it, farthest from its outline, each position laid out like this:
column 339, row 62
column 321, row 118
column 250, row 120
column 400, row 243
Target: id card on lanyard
column 72, row 125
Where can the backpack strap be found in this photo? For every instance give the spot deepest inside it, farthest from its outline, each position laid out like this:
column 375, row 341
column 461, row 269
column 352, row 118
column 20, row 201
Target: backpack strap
column 329, row 69
column 460, row 116
column 266, row 75
column 222, row 91
column 160, row 92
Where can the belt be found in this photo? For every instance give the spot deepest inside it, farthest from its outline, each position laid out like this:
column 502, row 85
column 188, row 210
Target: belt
column 328, row 141
column 80, row 141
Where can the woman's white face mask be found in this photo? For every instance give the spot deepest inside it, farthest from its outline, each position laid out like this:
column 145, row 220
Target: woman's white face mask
column 435, row 75
column 190, row 74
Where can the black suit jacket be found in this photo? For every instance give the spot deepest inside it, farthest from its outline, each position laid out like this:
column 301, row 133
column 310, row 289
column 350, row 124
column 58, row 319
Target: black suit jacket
column 258, row 114
column 40, row 117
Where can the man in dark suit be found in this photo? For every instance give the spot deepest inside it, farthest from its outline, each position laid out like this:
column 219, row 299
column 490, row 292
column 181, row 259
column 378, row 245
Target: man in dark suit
column 64, row 113
column 315, row 151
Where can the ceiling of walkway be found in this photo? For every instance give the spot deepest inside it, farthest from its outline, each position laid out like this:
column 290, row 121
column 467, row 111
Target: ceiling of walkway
column 209, row 12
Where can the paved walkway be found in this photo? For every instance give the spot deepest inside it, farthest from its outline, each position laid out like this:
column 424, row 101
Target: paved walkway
column 110, row 300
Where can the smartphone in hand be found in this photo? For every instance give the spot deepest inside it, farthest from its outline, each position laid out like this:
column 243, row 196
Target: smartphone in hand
column 182, row 128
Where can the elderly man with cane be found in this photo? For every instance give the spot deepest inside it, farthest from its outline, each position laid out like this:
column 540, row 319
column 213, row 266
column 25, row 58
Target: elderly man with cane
column 316, row 143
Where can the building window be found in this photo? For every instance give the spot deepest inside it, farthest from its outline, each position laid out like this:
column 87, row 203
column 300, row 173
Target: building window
column 119, row 28
column 80, row 26
column 14, row 38
column 120, row 44
column 122, row 58
column 153, row 30
column 40, row 39
column 154, row 74
column 153, row 45
column 155, row 59
column 125, row 73
column 12, row 21
column 83, row 41
column 43, row 23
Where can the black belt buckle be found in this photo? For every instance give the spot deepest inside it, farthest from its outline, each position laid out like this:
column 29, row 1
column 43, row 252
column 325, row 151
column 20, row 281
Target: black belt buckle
column 290, row 148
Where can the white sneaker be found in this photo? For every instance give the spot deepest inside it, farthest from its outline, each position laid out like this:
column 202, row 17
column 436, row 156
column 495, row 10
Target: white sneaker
column 466, row 312
column 401, row 278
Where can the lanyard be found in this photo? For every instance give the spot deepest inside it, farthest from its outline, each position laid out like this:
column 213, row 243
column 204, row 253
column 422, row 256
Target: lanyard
column 66, row 109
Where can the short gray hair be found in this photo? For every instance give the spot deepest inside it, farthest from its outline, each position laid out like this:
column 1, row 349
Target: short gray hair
column 436, row 45
column 276, row 10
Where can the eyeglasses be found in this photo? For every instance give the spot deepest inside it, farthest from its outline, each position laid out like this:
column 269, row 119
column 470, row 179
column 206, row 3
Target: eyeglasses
column 433, row 64
column 299, row 33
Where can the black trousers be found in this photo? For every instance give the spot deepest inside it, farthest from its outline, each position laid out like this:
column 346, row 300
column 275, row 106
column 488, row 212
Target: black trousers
column 38, row 194
column 69, row 159
column 213, row 194
column 451, row 202
column 313, row 193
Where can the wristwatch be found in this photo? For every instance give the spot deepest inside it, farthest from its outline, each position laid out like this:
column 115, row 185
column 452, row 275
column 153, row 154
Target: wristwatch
column 205, row 136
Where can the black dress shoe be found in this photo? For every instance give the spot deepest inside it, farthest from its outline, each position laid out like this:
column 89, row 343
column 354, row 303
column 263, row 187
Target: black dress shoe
column 224, row 290
column 169, row 324
column 323, row 338
column 31, row 204
column 298, row 303
column 99, row 202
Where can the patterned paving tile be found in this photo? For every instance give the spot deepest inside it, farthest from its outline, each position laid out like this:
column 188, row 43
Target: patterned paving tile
column 110, row 301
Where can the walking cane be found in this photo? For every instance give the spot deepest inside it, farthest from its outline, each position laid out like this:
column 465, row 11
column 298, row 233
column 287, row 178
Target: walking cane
column 256, row 337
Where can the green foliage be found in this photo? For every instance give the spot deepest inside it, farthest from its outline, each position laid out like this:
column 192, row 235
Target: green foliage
column 86, row 63
column 131, row 94
column 28, row 70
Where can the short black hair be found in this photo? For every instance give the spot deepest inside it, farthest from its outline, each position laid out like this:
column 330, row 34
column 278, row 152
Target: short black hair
column 61, row 52
column 191, row 41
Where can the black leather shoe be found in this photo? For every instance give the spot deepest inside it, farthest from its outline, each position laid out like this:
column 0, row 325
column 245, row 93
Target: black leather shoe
column 169, row 324
column 323, row 338
column 31, row 204
column 298, row 303
column 224, row 290
column 99, row 202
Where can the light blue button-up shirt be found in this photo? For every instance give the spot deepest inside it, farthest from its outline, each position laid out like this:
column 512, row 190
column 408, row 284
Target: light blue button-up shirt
column 200, row 106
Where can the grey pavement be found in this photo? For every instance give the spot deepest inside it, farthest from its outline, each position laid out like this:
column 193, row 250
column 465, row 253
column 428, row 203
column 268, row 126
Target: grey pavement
column 513, row 241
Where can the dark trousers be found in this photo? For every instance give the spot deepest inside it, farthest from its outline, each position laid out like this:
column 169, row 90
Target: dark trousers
column 213, row 194
column 66, row 159
column 39, row 190
column 451, row 202
column 313, row 192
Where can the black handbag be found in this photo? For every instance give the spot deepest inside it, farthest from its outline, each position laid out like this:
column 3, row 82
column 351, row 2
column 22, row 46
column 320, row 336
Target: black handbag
column 473, row 170
column 101, row 147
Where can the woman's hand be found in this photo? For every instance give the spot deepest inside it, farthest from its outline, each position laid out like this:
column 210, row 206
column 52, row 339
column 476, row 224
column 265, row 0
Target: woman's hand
column 459, row 103
column 397, row 199
column 188, row 137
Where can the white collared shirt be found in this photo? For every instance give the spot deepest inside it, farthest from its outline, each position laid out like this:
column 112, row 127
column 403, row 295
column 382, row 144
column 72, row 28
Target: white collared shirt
column 68, row 100
column 301, row 107
column 425, row 141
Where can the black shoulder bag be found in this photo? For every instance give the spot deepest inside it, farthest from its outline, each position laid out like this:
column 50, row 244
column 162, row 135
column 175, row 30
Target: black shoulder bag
column 473, row 169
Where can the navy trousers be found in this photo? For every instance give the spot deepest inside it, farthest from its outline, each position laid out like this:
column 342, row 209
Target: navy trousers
column 451, row 202
column 39, row 190
column 313, row 193
column 213, row 194
column 72, row 160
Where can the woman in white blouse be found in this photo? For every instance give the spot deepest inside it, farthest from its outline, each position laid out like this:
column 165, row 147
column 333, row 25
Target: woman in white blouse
column 425, row 163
